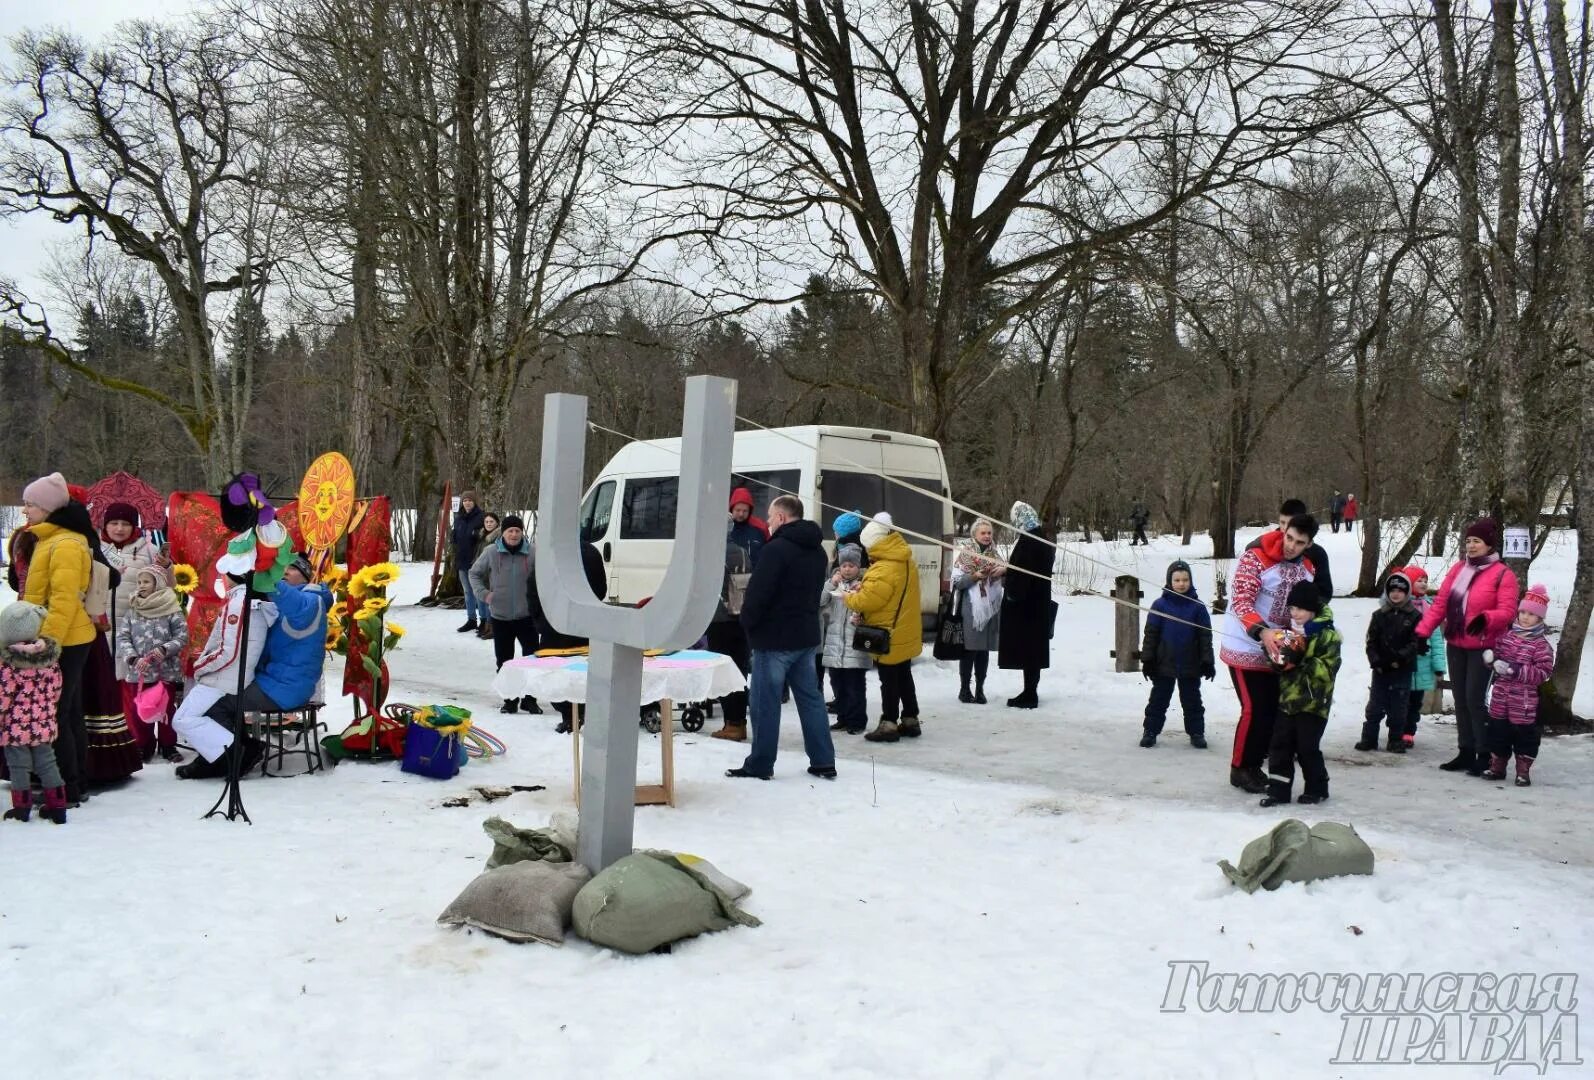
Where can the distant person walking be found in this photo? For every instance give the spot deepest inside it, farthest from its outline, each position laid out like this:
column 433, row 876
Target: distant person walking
column 1336, row 510
column 1028, row 610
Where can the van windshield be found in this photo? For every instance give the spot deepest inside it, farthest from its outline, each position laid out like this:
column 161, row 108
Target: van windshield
column 912, row 511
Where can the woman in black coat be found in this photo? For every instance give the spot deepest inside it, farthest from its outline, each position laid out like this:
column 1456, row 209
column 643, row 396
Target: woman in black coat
column 1028, row 610
column 467, row 538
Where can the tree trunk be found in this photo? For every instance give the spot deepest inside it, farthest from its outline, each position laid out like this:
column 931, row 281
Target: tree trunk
column 1556, row 700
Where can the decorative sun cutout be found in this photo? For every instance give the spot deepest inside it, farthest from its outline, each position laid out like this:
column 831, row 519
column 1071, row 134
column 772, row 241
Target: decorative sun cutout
column 326, row 500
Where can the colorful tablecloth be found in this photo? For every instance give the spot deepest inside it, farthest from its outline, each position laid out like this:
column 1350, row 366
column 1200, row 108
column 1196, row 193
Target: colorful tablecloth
column 688, row 675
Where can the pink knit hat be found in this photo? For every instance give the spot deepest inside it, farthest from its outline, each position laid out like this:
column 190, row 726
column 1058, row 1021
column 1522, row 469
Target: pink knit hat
column 48, row 493
column 1536, row 601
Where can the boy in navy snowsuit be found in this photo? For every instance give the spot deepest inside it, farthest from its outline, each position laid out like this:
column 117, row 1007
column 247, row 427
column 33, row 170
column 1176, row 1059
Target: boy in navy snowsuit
column 1177, row 653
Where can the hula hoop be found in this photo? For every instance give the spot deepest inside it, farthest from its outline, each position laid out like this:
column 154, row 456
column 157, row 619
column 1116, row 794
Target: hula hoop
column 480, row 743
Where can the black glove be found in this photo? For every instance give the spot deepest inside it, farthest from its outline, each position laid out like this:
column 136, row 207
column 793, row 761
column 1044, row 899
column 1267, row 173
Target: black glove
column 1146, row 670
column 1422, row 646
column 1209, row 672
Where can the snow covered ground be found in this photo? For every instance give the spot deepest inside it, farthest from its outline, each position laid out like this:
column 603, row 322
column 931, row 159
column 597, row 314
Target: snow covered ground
column 1001, row 898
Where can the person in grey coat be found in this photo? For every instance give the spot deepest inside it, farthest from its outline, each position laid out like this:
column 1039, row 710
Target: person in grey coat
column 846, row 664
column 501, row 576
column 977, row 580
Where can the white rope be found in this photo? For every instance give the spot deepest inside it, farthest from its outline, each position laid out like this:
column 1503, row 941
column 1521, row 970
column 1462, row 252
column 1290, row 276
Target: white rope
column 937, row 541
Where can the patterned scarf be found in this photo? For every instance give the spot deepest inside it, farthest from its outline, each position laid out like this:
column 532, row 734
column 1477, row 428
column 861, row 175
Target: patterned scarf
column 971, row 556
column 1456, row 610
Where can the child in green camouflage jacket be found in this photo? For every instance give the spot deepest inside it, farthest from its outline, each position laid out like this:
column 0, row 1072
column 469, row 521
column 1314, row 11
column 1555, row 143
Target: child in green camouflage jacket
column 1306, row 691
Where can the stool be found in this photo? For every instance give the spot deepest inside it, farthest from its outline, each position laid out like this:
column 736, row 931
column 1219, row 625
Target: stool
column 274, row 728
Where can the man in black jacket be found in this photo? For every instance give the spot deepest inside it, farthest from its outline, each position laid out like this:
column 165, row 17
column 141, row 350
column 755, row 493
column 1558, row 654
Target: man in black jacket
column 780, row 613
column 467, row 535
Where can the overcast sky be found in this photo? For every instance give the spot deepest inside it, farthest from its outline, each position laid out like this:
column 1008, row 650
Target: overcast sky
column 25, row 243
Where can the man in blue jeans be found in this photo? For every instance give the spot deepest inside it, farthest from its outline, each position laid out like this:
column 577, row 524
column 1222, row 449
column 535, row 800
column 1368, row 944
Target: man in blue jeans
column 780, row 613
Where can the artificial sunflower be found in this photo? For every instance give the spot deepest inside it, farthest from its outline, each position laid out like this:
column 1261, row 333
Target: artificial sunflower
column 396, row 630
column 358, row 587
column 374, row 605
column 185, row 579
column 335, row 641
column 381, row 575
column 333, row 576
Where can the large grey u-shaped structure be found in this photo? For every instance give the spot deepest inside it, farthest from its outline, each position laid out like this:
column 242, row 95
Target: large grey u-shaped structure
column 674, row 618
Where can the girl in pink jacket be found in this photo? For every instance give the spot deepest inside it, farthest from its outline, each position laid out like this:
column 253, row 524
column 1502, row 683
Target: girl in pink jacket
column 1521, row 661
column 1476, row 605
column 30, row 686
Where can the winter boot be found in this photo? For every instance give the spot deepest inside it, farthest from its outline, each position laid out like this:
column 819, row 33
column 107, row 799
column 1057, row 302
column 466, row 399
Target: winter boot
column 909, row 727
column 1480, row 763
column 1198, row 742
column 510, row 706
column 1247, row 780
column 528, row 704
column 1409, row 739
column 1367, row 744
column 965, row 695
column 21, row 805
column 470, row 624
column 1395, row 745
column 1023, row 701
column 1148, row 740
column 1462, row 761
column 884, row 731
column 979, row 695
column 732, row 733
column 485, row 630
column 1524, row 767
column 1496, row 768
column 1309, row 797
column 55, row 805
column 824, row 772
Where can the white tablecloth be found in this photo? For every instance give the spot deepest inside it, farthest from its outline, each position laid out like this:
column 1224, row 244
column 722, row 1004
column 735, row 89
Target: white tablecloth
column 688, row 675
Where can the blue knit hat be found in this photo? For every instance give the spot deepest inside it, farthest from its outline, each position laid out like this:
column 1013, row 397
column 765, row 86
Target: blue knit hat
column 850, row 524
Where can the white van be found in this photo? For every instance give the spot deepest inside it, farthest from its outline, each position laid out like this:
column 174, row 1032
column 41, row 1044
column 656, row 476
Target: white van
column 629, row 511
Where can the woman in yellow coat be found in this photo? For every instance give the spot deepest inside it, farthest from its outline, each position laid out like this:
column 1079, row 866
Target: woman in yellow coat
column 889, row 597
column 57, row 578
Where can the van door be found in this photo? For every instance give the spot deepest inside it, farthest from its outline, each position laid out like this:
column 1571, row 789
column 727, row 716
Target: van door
column 597, row 515
column 646, row 536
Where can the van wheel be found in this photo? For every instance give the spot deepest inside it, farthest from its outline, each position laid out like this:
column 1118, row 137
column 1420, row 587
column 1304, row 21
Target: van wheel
column 692, row 718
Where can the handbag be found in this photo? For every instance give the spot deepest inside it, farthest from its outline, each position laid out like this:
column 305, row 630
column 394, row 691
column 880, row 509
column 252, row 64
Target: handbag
column 433, row 744
column 97, row 597
column 151, row 702
column 948, row 630
column 876, row 640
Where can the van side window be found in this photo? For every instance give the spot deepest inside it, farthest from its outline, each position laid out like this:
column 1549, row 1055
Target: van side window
column 917, row 512
column 844, row 491
column 597, row 511
column 648, row 508
column 767, row 485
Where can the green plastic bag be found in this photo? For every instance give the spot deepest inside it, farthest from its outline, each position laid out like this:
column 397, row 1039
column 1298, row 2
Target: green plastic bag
column 1291, row 851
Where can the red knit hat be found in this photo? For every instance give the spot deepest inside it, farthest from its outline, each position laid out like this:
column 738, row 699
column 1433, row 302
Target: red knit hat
column 1536, row 601
column 1415, row 573
column 741, row 497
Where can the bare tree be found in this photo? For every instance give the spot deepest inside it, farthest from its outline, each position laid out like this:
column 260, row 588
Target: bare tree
column 144, row 144
column 924, row 143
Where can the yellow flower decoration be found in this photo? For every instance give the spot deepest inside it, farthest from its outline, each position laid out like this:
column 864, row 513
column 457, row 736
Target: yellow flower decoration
column 357, row 586
column 395, row 629
column 381, row 575
column 374, row 605
column 334, row 640
column 185, row 579
column 333, row 576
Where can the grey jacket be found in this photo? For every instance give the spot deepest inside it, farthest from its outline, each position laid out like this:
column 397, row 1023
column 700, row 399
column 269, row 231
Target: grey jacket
column 986, row 638
column 835, row 630
column 507, row 575
column 137, row 636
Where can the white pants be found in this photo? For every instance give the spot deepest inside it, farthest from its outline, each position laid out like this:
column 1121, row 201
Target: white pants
column 207, row 737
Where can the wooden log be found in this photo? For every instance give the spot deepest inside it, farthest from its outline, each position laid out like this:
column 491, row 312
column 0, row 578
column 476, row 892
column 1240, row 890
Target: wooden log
column 1126, row 623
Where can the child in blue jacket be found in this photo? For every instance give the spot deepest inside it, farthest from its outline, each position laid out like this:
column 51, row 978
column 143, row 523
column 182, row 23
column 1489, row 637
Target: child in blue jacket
column 1177, row 653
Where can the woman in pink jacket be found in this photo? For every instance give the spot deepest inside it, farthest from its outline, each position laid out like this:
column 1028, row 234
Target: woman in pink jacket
column 1476, row 605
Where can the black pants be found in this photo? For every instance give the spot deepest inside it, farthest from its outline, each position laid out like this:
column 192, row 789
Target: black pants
column 72, row 737
column 1506, row 738
column 507, row 632
column 975, row 663
column 1162, row 688
column 1335, row 522
column 229, row 709
column 1469, row 685
column 852, row 707
column 898, row 697
column 729, row 639
column 1295, row 738
column 1387, row 700
column 1259, row 706
column 1140, row 536
column 1414, row 710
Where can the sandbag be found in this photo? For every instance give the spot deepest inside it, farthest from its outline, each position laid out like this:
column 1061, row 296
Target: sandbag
column 525, row 901
column 1292, row 852
column 647, row 900
column 512, row 845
